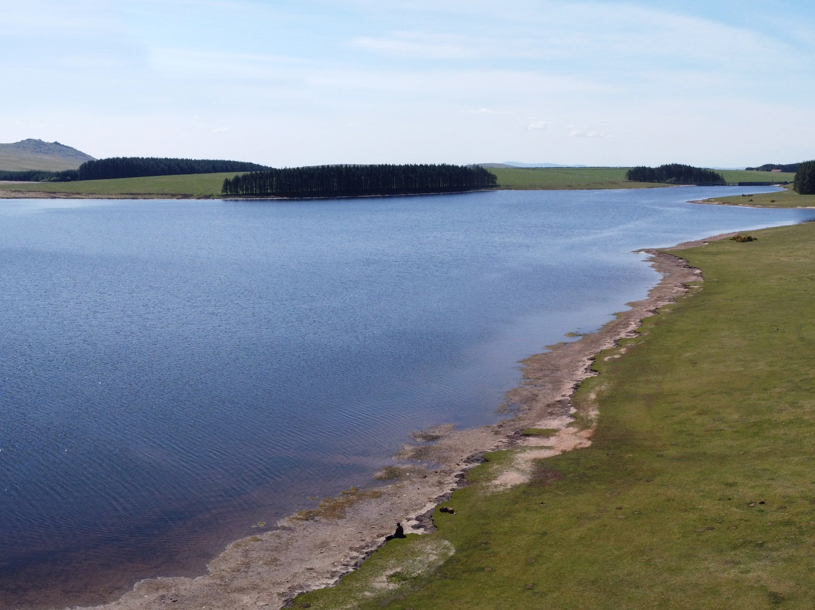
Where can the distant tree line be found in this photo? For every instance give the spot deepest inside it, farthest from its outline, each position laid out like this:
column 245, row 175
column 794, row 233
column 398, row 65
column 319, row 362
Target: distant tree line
column 768, row 167
column 674, row 173
column 30, row 176
column 804, row 182
column 360, row 180
column 139, row 167
column 133, row 167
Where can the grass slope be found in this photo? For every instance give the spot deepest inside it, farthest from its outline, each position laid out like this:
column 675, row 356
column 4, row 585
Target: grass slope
column 34, row 154
column 193, row 185
column 13, row 161
column 733, row 176
column 565, row 178
column 698, row 490
column 785, row 199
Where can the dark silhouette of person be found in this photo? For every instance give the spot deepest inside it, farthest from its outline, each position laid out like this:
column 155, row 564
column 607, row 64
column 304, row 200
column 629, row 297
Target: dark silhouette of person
column 399, row 533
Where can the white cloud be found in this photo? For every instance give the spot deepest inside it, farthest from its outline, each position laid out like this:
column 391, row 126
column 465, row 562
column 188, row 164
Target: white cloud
column 419, row 46
column 588, row 133
column 40, row 18
column 491, row 111
column 537, row 125
column 601, row 33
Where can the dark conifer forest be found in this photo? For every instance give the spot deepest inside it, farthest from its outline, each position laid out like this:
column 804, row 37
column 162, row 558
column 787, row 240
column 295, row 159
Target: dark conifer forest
column 674, row 173
column 133, row 167
column 804, row 183
column 360, row 180
column 31, row 175
column 139, row 167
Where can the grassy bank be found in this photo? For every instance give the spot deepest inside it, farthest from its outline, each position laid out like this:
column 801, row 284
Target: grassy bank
column 697, row 491
column 785, row 199
column 189, row 186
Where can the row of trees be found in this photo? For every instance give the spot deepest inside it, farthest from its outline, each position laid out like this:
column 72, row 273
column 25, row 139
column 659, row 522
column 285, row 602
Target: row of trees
column 674, row 173
column 32, row 175
column 357, row 180
column 139, row 167
column 133, row 167
column 804, row 182
column 768, row 167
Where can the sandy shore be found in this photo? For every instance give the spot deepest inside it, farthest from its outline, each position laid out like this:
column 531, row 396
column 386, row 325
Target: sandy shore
column 315, row 548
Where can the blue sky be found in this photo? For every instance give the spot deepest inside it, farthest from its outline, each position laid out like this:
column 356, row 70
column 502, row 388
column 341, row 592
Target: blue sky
column 715, row 83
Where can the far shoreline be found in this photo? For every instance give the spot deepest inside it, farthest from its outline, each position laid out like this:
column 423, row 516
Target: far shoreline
column 13, row 194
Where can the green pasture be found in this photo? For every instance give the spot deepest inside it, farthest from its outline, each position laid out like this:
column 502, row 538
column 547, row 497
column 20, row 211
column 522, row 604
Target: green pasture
column 785, row 199
column 565, row 178
column 572, row 178
column 734, row 176
column 193, row 185
column 209, row 185
column 698, row 491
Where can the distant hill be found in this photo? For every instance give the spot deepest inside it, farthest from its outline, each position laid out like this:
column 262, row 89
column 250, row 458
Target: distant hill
column 768, row 167
column 39, row 155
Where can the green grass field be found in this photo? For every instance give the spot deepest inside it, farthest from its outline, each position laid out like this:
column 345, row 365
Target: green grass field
column 568, row 178
column 735, row 176
column 565, row 178
column 209, row 185
column 698, row 491
column 786, row 199
column 194, row 185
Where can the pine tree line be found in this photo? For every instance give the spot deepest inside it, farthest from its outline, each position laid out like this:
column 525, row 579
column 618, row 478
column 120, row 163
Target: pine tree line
column 31, row 175
column 139, row 167
column 357, row 180
column 133, row 167
column 674, row 173
column 804, row 182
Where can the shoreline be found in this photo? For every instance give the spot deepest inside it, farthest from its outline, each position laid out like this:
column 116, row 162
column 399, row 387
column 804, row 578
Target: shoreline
column 12, row 194
column 753, row 205
column 315, row 548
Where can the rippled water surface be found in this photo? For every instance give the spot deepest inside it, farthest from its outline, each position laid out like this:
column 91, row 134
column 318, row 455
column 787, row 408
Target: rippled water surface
column 172, row 372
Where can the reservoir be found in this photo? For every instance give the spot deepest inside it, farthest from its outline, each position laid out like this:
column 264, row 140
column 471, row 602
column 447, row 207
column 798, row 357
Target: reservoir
column 173, row 373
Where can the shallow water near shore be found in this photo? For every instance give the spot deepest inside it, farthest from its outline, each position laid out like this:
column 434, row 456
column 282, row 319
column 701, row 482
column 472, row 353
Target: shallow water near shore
column 174, row 372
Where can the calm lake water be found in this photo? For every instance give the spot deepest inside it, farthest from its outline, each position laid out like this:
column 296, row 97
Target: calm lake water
column 172, row 372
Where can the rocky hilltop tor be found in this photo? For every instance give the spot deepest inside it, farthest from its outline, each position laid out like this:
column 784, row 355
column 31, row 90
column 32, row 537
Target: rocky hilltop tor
column 39, row 155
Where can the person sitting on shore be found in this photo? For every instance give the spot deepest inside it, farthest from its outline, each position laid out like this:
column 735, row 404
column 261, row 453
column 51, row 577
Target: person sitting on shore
column 399, row 533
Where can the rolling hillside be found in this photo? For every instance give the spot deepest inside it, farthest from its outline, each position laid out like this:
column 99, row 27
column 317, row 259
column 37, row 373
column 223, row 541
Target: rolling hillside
column 39, row 155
